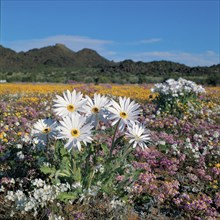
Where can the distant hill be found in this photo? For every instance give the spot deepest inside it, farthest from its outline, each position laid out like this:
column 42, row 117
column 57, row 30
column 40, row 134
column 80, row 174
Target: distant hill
column 58, row 59
column 51, row 56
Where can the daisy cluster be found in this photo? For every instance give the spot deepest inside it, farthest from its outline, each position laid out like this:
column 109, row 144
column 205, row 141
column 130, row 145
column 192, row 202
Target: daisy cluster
column 80, row 115
column 178, row 87
column 178, row 97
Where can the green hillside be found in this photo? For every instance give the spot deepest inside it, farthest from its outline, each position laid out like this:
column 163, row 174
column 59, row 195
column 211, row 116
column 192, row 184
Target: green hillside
column 60, row 64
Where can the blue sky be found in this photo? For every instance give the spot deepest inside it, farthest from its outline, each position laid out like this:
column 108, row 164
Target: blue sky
column 187, row 31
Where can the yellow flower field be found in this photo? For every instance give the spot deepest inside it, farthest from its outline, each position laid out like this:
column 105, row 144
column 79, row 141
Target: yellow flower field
column 139, row 92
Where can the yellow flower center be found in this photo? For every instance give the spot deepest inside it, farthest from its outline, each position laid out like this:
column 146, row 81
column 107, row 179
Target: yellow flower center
column 46, row 130
column 217, row 165
column 137, row 138
column 123, row 115
column 75, row 133
column 70, row 108
column 95, row 110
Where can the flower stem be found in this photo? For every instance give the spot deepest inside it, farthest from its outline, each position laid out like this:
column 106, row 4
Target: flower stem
column 97, row 125
column 128, row 150
column 113, row 139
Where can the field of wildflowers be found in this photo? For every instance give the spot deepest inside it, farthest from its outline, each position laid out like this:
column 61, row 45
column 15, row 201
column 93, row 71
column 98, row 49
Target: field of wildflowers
column 81, row 151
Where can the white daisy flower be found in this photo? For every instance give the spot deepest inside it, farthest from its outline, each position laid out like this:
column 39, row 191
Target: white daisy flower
column 76, row 130
column 96, row 109
column 138, row 135
column 126, row 111
column 44, row 129
column 69, row 104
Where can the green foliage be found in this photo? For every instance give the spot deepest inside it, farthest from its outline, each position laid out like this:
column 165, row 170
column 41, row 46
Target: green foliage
column 213, row 80
column 96, row 80
column 93, row 170
column 86, row 75
column 66, row 196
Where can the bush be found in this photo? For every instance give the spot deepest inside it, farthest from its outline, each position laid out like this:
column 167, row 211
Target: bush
column 177, row 97
column 213, row 80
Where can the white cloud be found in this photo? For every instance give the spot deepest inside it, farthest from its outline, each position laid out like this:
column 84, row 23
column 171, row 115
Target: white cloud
column 144, row 41
column 75, row 43
column 150, row 41
column 207, row 58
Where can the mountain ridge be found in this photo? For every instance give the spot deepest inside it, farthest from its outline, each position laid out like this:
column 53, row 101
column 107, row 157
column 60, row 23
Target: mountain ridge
column 66, row 51
column 59, row 58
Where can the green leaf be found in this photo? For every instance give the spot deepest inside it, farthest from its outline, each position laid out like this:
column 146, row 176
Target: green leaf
column 65, row 196
column 47, row 170
column 63, row 173
column 108, row 189
column 105, row 148
column 65, row 163
column 55, row 181
column 64, row 152
column 77, row 175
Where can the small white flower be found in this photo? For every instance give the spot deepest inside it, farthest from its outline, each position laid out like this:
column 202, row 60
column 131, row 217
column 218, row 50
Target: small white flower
column 76, row 130
column 44, row 129
column 12, row 181
column 10, row 196
column 20, row 155
column 96, row 109
column 99, row 168
column 55, row 217
column 152, row 90
column 115, row 203
column 69, row 104
column 215, row 134
column 30, row 205
column 188, row 140
column 2, row 188
column 162, row 143
column 38, row 182
column 138, row 135
column 19, row 146
column 20, row 195
column 126, row 111
column 63, row 187
column 26, row 138
column 158, row 112
column 103, row 127
column 76, row 185
column 12, row 213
